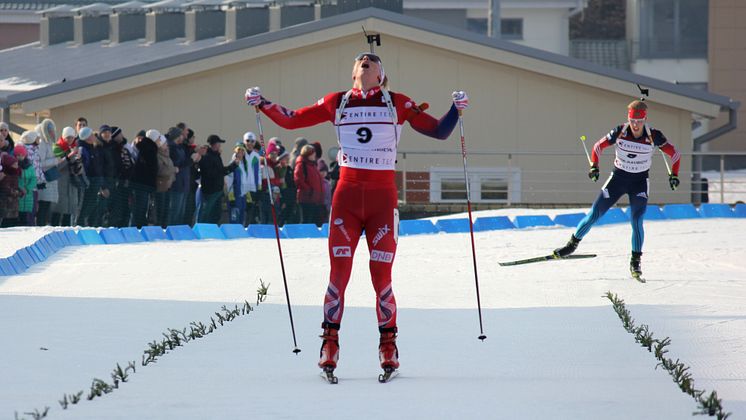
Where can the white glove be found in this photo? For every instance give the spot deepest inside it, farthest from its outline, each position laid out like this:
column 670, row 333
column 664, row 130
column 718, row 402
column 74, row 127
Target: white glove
column 253, row 96
column 460, row 99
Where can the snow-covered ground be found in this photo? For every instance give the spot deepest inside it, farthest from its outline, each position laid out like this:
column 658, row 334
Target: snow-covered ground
column 555, row 348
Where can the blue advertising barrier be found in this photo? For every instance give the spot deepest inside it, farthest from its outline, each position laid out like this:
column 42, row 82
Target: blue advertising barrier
column 181, row 233
column 132, row 235
column 112, row 236
column 39, row 251
column 533, row 221
column 234, row 231
column 72, row 237
column 6, row 267
column 262, row 231
column 493, row 223
column 26, row 257
column 17, row 264
column 613, row 215
column 416, row 227
column 302, row 230
column 716, row 210
column 153, row 233
column 680, row 211
column 90, row 237
column 569, row 220
column 453, row 225
column 740, row 210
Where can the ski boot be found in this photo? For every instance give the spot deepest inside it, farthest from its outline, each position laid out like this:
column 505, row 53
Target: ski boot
column 329, row 353
column 388, row 354
column 568, row 249
column 634, row 265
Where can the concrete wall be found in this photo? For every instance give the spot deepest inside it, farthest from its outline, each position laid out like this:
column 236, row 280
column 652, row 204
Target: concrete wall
column 545, row 29
column 512, row 110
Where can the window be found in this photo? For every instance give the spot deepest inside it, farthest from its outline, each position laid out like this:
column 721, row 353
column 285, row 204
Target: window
column 478, row 25
column 487, row 185
column 673, row 28
column 511, row 29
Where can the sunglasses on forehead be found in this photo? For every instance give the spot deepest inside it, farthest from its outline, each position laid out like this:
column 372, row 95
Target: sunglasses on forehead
column 372, row 57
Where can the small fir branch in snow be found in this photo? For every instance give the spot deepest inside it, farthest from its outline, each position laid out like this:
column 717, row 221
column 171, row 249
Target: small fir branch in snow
column 70, row 399
column 36, row 414
column 174, row 338
column 261, row 292
column 711, row 405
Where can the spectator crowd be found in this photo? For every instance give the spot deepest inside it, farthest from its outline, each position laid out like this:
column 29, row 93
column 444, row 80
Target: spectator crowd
column 83, row 177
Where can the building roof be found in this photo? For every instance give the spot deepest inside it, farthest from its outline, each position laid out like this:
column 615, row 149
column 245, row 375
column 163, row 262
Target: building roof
column 44, row 69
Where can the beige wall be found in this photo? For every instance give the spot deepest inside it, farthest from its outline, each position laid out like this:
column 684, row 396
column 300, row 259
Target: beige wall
column 727, row 58
column 14, row 34
column 512, row 110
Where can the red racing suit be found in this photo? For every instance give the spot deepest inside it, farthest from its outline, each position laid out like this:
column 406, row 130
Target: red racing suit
column 366, row 197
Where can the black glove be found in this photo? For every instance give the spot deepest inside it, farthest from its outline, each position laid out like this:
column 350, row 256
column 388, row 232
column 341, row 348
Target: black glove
column 673, row 181
column 593, row 173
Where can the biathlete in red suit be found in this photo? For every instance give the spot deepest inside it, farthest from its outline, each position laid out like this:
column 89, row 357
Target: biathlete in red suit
column 368, row 121
column 635, row 147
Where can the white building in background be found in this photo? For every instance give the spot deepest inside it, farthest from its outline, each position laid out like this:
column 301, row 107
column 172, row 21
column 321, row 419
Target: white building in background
column 542, row 24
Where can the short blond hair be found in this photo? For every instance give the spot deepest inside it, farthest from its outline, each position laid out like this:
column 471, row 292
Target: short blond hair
column 638, row 105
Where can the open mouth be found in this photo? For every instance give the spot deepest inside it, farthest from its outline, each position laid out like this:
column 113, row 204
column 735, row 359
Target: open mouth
column 365, row 65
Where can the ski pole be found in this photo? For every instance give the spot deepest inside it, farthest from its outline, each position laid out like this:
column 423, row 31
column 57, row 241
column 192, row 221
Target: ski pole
column 471, row 224
column 668, row 168
column 296, row 350
column 588, row 156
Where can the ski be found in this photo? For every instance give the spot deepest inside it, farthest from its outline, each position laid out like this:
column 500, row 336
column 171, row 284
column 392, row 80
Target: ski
column 328, row 375
column 549, row 257
column 387, row 375
column 638, row 277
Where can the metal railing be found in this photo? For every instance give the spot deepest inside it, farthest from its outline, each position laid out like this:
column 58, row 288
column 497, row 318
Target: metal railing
column 552, row 177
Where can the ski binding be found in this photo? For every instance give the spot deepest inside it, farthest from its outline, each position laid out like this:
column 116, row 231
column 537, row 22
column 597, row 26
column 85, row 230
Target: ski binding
column 388, row 374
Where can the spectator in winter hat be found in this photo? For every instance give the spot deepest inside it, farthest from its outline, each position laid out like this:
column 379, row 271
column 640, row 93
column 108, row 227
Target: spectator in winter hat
column 9, row 191
column 295, row 153
column 213, row 172
column 71, row 179
column 94, row 159
column 6, row 141
column 119, row 206
column 27, row 185
column 48, row 172
column 273, row 145
column 144, row 174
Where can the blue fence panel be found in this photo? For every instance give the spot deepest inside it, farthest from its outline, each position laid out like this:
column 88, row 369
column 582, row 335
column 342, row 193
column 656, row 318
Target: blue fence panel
column 180, row 233
column 681, row 211
column 262, row 231
column 208, row 231
column 132, row 235
column 416, row 227
column 51, row 244
column 234, row 231
column 55, row 241
column 302, row 230
column 61, row 238
column 493, row 223
column 652, row 212
column 39, row 251
column 112, row 236
column 60, row 235
column 17, row 263
column 325, row 230
column 716, row 210
column 569, row 220
column 26, row 257
column 34, row 256
column 740, row 210
column 453, row 225
column 153, row 233
column 532, row 221
column 72, row 237
column 613, row 215
column 90, row 237
column 6, row 267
